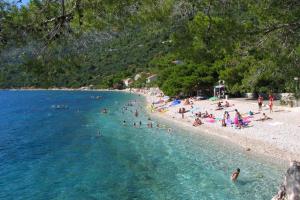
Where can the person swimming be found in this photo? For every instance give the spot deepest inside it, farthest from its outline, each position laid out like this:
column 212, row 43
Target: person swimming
column 235, row 175
column 124, row 122
column 104, row 110
column 99, row 134
column 136, row 113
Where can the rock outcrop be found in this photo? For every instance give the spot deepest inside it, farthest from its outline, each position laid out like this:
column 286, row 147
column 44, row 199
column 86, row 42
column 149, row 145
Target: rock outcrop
column 290, row 188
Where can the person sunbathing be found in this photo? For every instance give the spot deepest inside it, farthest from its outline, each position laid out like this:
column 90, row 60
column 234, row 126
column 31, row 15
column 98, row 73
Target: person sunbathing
column 227, row 104
column 187, row 102
column 264, row 118
column 211, row 116
column 199, row 114
column 205, row 115
column 197, row 122
column 219, row 106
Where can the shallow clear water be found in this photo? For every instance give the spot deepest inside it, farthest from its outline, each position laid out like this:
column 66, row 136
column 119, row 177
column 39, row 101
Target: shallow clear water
column 49, row 153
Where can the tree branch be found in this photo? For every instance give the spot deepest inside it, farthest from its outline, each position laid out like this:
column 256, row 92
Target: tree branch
column 290, row 26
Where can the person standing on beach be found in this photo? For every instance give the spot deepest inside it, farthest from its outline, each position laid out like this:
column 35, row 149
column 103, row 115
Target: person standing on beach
column 271, row 99
column 237, row 119
column 182, row 113
column 260, row 101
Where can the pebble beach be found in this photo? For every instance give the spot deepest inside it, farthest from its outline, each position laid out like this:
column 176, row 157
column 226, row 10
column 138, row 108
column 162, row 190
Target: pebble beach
column 277, row 138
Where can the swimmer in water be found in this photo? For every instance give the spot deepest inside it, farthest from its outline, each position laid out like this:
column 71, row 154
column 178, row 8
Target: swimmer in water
column 134, row 124
column 140, row 123
column 149, row 125
column 169, row 130
column 124, row 123
column 235, row 175
column 99, row 134
column 104, row 110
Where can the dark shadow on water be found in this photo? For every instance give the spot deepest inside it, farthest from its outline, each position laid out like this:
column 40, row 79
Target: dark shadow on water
column 243, row 182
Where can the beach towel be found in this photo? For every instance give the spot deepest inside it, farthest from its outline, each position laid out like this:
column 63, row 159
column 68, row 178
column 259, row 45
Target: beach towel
column 175, row 102
column 213, row 98
column 210, row 120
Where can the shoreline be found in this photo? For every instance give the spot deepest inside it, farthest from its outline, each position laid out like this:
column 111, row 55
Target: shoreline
column 60, row 89
column 240, row 138
column 258, row 150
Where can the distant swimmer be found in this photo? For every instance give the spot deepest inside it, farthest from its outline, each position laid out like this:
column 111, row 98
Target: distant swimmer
column 169, row 130
column 134, row 124
column 124, row 122
column 104, row 110
column 136, row 113
column 235, row 175
column 149, row 125
column 140, row 123
column 99, row 134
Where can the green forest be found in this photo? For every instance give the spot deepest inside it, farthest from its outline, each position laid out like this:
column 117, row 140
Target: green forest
column 253, row 45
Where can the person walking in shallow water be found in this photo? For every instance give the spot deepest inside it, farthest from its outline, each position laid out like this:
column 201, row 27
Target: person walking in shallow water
column 235, row 175
column 136, row 113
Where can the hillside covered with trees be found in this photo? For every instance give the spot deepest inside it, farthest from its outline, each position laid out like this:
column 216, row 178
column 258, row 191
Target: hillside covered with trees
column 253, row 45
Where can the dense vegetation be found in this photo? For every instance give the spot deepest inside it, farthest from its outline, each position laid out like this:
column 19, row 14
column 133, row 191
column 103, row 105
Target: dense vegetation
column 191, row 44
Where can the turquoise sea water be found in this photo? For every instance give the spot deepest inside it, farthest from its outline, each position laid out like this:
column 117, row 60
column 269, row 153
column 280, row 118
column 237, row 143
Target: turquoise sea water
column 49, row 153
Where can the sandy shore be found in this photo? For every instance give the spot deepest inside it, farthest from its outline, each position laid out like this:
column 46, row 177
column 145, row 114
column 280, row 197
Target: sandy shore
column 278, row 138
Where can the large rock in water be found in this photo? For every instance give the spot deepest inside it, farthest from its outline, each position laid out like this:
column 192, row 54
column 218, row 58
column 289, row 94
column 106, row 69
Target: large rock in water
column 290, row 188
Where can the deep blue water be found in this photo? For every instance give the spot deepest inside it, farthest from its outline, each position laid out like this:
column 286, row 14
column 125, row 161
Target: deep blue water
column 49, row 153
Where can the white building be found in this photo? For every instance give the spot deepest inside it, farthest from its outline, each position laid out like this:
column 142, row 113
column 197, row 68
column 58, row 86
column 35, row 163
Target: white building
column 137, row 77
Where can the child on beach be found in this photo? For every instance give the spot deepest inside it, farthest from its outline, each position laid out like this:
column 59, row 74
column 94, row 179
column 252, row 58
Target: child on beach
column 260, row 101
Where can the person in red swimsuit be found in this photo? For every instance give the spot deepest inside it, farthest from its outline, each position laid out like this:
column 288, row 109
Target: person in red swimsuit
column 271, row 99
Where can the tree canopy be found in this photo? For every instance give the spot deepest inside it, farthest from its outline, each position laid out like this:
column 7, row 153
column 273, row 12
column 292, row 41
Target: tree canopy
column 252, row 45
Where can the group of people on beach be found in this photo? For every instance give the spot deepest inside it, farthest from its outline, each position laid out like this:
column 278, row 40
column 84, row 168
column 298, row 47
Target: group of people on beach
column 260, row 102
column 239, row 121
